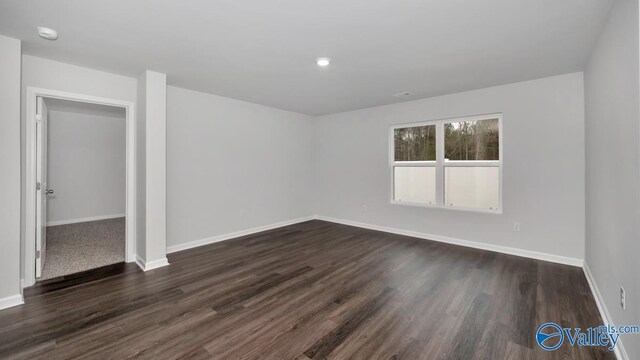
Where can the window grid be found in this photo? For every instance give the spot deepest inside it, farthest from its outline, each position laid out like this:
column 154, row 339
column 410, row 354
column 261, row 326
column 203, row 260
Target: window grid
column 440, row 164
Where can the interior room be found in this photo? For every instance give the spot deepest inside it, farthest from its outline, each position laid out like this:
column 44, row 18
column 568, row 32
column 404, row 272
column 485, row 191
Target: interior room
column 86, row 173
column 320, row 180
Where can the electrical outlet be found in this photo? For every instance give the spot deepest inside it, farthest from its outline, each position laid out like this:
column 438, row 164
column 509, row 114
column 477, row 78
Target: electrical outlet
column 622, row 298
column 516, row 226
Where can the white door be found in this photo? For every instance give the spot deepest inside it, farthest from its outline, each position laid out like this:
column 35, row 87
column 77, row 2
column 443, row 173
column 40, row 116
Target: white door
column 41, row 185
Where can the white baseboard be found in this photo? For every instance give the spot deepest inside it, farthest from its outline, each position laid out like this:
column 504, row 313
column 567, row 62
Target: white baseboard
column 449, row 240
column 228, row 236
column 139, row 262
column 483, row 246
column 150, row 265
column 94, row 218
column 11, row 301
column 604, row 312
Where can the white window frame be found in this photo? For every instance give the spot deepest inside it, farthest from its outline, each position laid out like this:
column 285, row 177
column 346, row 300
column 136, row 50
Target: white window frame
column 440, row 164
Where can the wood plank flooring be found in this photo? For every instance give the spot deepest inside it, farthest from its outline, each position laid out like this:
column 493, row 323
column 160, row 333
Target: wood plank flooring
column 313, row 290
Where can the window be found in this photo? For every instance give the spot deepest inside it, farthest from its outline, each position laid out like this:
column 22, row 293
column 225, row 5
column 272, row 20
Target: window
column 452, row 163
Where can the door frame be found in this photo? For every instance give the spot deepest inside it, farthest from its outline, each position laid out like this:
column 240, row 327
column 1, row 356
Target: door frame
column 30, row 172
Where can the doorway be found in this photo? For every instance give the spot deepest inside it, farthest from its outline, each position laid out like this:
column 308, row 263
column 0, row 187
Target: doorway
column 80, row 186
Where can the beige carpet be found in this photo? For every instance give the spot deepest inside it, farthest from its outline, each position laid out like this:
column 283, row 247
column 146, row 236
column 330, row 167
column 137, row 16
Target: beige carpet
column 83, row 246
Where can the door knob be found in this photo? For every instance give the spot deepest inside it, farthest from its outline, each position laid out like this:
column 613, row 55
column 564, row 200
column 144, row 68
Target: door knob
column 48, row 192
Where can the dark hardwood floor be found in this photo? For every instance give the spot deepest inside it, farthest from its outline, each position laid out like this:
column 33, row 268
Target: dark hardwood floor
column 313, row 290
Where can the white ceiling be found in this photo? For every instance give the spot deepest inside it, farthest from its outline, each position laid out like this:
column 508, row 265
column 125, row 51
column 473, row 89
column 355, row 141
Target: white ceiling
column 264, row 51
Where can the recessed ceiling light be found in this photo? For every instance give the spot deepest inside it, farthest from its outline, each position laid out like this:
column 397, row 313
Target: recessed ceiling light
column 323, row 61
column 47, row 33
column 405, row 93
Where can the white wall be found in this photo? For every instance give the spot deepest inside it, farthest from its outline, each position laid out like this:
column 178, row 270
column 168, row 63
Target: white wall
column 543, row 139
column 54, row 75
column 233, row 165
column 86, row 165
column 153, row 87
column 613, row 167
column 9, row 172
column 141, row 179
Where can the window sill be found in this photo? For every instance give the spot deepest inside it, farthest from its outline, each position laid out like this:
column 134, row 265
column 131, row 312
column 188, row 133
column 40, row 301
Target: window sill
column 471, row 210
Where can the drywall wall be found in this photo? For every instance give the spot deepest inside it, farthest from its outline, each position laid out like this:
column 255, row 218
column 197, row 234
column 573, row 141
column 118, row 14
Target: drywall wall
column 10, row 292
column 613, row 167
column 86, row 164
column 153, row 103
column 54, row 75
column 543, row 139
column 233, row 165
column 141, row 179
